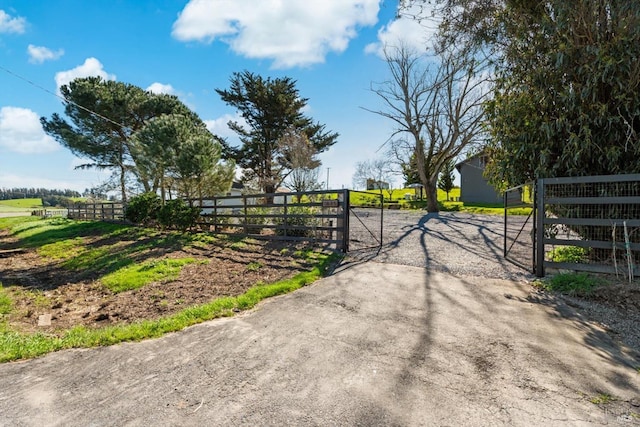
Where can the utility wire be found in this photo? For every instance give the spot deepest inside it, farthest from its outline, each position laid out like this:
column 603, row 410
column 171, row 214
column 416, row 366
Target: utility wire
column 61, row 97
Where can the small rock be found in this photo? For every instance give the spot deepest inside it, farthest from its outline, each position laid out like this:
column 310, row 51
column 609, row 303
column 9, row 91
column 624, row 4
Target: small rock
column 44, row 319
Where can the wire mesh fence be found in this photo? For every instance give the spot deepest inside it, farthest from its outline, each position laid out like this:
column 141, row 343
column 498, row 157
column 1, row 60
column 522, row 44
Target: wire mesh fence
column 365, row 221
column 519, row 226
column 591, row 224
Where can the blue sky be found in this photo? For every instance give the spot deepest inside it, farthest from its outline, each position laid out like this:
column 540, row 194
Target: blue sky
column 189, row 48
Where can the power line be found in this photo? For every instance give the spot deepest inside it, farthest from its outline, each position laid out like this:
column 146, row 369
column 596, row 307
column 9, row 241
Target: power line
column 61, row 97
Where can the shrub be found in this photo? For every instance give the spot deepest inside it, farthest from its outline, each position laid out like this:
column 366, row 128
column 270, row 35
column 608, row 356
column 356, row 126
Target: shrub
column 143, row 209
column 304, row 220
column 572, row 254
column 177, row 214
column 254, row 223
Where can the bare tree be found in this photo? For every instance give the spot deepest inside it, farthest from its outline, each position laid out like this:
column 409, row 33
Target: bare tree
column 300, row 157
column 374, row 174
column 438, row 109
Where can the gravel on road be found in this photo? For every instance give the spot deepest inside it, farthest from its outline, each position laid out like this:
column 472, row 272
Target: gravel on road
column 451, row 242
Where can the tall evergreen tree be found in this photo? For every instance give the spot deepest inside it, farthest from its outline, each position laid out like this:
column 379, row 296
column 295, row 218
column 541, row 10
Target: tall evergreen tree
column 103, row 116
column 270, row 108
column 177, row 153
column 445, row 182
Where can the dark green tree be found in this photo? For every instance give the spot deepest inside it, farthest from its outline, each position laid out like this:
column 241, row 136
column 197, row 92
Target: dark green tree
column 270, row 108
column 181, row 154
column 410, row 170
column 445, row 182
column 103, row 116
column 567, row 99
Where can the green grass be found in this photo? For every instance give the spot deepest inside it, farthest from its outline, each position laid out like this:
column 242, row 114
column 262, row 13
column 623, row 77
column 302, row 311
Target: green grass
column 398, row 197
column 6, row 304
column 10, row 222
column 138, row 275
column 63, row 249
column 577, row 284
column 15, row 345
column 254, row 266
column 37, row 233
column 21, row 203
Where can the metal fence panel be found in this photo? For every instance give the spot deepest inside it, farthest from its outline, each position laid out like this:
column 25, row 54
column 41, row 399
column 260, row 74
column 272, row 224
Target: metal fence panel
column 314, row 216
column 519, row 226
column 590, row 224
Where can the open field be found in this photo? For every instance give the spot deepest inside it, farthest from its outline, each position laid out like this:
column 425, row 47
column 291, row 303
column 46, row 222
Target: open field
column 405, row 199
column 14, row 206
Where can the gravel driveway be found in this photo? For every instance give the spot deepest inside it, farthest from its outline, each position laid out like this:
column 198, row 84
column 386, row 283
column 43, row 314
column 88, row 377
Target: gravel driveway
column 451, row 242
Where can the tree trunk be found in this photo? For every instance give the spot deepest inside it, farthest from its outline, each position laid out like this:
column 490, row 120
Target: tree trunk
column 269, row 188
column 123, row 184
column 432, row 196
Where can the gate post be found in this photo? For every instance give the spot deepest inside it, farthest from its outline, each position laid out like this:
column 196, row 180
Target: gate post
column 504, row 236
column 342, row 222
column 539, row 228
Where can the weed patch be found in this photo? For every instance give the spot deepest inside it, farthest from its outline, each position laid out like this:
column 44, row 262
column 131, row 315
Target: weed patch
column 575, row 284
column 602, row 399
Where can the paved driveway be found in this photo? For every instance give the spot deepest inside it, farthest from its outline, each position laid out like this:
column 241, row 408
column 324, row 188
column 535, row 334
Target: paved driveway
column 373, row 344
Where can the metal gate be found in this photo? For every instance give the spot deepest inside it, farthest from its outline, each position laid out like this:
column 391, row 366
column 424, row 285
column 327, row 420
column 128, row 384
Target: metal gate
column 519, row 226
column 365, row 219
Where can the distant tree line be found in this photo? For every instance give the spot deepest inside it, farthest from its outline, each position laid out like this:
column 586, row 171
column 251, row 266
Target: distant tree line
column 35, row 193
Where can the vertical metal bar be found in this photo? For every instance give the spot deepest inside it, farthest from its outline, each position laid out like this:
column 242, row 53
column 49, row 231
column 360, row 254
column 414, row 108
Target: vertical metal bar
column 539, row 221
column 286, row 219
column 346, row 210
column 504, row 237
column 244, row 202
column 381, row 218
column 215, row 215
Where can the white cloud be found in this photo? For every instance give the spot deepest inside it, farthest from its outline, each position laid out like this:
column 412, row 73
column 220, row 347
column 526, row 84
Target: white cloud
column 415, row 34
column 39, row 54
column 159, row 88
column 289, row 32
column 220, row 128
column 11, row 25
column 20, row 131
column 90, row 67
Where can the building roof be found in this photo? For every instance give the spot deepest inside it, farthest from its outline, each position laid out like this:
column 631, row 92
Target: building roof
column 470, row 158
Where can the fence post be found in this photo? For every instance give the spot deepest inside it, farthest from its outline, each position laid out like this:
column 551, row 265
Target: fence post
column 539, row 224
column 286, row 219
column 244, row 202
column 342, row 222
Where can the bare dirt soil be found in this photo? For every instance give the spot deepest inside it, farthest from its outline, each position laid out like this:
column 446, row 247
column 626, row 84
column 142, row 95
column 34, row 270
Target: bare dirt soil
column 40, row 286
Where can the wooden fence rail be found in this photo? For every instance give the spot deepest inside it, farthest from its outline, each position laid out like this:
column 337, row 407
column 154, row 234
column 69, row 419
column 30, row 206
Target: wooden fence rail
column 314, row 216
column 97, row 211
